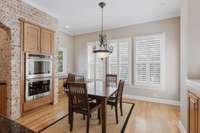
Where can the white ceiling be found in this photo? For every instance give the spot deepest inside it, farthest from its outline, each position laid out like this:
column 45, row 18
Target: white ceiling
column 83, row 16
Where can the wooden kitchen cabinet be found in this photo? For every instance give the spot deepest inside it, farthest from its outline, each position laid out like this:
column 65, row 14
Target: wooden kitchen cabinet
column 37, row 39
column 3, row 99
column 46, row 41
column 193, row 108
column 31, row 38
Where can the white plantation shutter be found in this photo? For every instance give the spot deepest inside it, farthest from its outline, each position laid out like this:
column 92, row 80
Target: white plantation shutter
column 124, row 59
column 113, row 59
column 148, row 59
column 141, row 72
column 100, row 69
column 91, row 62
column 118, row 61
column 96, row 67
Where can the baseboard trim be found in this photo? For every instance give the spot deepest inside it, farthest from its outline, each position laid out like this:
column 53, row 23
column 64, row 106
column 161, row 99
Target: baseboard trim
column 155, row 100
column 181, row 127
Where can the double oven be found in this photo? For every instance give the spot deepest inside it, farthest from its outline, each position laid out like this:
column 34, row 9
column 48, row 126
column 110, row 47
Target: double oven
column 38, row 76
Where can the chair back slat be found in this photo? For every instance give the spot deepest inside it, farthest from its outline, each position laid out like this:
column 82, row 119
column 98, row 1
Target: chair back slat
column 111, row 80
column 79, row 78
column 120, row 89
column 78, row 95
column 71, row 77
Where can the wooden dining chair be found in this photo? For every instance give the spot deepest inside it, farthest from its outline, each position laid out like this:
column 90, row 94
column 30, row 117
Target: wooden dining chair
column 79, row 103
column 79, row 78
column 70, row 78
column 111, row 80
column 117, row 98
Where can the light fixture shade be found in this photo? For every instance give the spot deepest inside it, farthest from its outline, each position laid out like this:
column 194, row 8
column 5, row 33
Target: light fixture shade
column 102, row 55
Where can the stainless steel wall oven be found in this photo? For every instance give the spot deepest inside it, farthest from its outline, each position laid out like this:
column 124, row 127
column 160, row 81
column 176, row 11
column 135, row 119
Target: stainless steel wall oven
column 38, row 76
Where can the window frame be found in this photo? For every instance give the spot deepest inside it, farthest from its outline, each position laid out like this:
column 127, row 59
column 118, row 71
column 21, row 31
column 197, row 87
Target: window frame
column 64, row 62
column 162, row 63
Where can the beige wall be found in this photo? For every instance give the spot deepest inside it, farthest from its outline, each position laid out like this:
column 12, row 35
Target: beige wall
column 171, row 28
column 67, row 42
column 194, row 40
column 183, row 67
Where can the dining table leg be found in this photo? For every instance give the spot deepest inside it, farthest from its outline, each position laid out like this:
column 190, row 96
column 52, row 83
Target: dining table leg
column 104, row 111
column 68, row 109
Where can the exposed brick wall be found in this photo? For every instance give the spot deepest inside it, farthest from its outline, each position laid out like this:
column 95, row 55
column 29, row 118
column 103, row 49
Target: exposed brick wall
column 5, row 53
column 10, row 12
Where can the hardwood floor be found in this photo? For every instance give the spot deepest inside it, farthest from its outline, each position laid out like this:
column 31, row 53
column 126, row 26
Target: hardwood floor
column 42, row 117
column 153, row 118
column 146, row 117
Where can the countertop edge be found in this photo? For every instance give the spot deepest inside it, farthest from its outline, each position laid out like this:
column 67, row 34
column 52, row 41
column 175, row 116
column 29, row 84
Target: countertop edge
column 193, row 86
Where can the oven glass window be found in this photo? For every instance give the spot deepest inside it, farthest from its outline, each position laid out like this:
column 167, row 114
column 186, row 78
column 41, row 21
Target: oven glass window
column 38, row 87
column 39, row 67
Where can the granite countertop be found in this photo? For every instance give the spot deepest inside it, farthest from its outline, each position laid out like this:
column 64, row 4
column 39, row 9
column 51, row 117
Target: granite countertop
column 9, row 126
column 194, row 85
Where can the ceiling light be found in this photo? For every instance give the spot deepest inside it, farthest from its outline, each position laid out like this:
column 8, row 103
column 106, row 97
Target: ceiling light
column 102, row 50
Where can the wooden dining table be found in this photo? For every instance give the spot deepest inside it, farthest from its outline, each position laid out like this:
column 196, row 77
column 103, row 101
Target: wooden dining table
column 98, row 90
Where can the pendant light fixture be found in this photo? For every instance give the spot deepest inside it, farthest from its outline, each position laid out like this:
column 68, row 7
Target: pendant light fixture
column 102, row 50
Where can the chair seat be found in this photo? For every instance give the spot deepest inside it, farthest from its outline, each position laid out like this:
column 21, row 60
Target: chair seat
column 92, row 106
column 111, row 100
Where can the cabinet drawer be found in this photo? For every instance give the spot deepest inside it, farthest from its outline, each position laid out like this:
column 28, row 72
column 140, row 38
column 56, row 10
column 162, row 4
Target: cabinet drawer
column 3, row 100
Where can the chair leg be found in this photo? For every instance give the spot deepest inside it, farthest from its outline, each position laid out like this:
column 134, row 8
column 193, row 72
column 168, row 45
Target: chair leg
column 99, row 115
column 69, row 109
column 116, row 114
column 121, row 108
column 83, row 117
column 88, row 123
column 71, row 121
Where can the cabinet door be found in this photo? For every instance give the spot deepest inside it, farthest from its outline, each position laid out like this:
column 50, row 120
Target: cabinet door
column 3, row 100
column 193, row 113
column 198, row 121
column 31, row 38
column 47, row 41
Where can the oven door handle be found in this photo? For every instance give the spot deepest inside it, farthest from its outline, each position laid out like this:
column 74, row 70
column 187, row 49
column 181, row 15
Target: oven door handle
column 38, row 79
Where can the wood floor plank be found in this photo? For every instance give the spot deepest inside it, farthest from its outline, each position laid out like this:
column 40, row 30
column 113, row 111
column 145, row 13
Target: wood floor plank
column 153, row 118
column 42, row 117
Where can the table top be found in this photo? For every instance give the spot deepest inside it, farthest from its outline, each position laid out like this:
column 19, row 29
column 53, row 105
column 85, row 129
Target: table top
column 98, row 89
column 9, row 126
